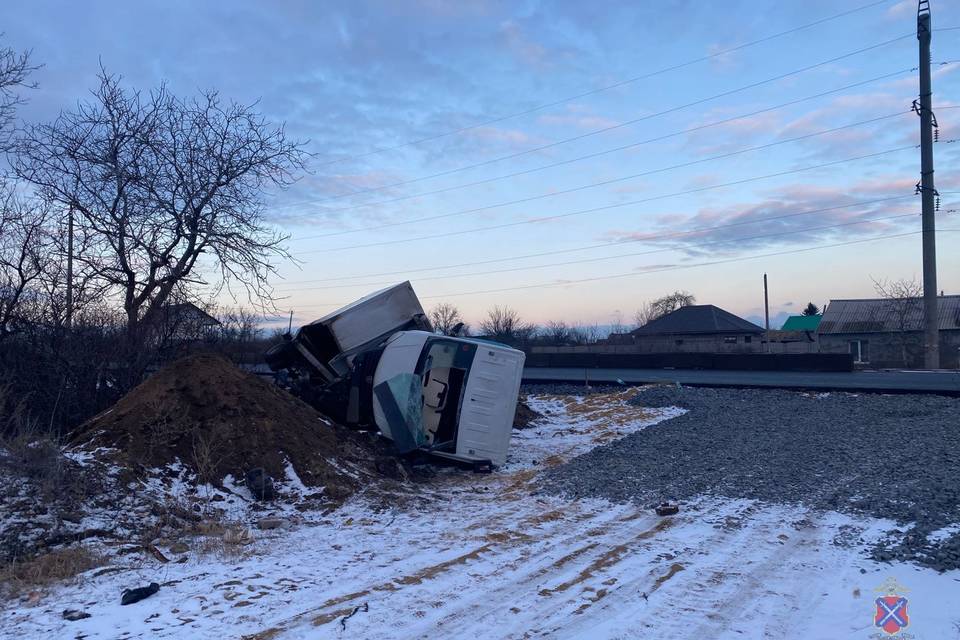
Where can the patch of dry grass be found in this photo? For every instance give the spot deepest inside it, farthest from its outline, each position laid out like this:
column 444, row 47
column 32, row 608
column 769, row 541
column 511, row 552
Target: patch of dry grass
column 53, row 566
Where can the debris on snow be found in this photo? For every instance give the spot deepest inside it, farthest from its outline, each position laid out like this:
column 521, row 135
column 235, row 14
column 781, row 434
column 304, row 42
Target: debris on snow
column 73, row 615
column 525, row 416
column 131, row 596
column 667, row 509
column 260, row 485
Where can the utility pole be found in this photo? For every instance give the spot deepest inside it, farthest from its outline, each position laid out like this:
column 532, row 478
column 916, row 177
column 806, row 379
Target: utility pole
column 931, row 333
column 766, row 302
column 69, row 314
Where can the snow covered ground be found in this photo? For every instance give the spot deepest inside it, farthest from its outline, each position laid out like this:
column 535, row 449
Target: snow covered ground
column 486, row 556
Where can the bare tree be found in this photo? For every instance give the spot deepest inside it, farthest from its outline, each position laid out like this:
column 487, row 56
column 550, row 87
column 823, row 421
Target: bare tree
column 164, row 190
column 616, row 324
column 557, row 333
column 447, row 321
column 15, row 68
column 904, row 305
column 662, row 306
column 24, row 235
column 25, row 250
column 239, row 332
column 504, row 323
column 585, row 334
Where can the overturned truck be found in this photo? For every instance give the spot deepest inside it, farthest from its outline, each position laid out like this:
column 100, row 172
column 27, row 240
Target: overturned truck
column 377, row 362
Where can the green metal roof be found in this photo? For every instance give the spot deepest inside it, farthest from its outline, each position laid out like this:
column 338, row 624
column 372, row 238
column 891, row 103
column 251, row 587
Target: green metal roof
column 801, row 323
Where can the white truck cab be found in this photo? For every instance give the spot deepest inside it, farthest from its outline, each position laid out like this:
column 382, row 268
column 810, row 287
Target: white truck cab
column 376, row 360
column 454, row 397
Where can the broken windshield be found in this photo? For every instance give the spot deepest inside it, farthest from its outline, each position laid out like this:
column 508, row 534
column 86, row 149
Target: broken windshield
column 401, row 399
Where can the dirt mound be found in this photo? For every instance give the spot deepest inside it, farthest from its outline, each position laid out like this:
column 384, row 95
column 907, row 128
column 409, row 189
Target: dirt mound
column 216, row 420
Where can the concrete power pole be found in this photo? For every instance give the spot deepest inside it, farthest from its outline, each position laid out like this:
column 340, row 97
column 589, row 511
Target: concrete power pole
column 931, row 334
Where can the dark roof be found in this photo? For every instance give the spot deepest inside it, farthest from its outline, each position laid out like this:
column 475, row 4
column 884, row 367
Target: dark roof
column 802, row 323
column 876, row 315
column 700, row 318
column 187, row 311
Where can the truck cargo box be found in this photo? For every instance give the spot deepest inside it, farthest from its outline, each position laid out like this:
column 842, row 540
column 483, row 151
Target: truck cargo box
column 328, row 343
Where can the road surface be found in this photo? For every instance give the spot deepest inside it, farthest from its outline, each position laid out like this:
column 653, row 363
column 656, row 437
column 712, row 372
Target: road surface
column 892, row 381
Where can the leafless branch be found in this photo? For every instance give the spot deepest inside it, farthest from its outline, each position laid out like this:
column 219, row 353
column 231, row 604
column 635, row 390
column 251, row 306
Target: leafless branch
column 164, row 189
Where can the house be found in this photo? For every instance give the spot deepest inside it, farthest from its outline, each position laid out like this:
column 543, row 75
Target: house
column 889, row 332
column 184, row 322
column 797, row 335
column 702, row 328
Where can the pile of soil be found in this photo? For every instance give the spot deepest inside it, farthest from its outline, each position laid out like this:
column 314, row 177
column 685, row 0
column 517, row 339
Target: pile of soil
column 216, row 419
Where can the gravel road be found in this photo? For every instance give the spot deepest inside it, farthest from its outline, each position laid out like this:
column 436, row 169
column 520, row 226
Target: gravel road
column 887, row 456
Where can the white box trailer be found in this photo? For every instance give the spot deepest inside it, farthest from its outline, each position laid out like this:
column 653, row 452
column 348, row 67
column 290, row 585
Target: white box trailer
column 376, row 361
column 330, row 342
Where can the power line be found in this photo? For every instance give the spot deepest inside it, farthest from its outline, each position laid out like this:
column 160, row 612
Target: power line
column 588, row 134
column 588, row 156
column 699, row 245
column 612, row 206
column 648, row 272
column 605, row 245
column 593, row 185
column 677, row 267
column 615, row 85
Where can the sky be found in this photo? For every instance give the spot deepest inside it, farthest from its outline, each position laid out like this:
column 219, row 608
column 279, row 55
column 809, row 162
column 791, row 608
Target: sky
column 568, row 159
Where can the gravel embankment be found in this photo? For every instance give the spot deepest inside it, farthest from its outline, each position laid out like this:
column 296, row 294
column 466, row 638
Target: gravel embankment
column 887, row 456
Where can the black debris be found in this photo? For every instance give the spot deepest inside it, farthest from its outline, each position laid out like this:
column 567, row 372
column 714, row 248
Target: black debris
column 343, row 621
column 73, row 615
column 136, row 595
column 260, row 485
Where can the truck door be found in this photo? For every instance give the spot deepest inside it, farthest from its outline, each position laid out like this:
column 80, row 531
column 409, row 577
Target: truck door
column 490, row 402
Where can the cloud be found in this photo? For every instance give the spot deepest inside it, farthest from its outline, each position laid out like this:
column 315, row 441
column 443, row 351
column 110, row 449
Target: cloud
column 721, row 61
column 784, row 124
column 724, row 137
column 902, row 8
column 520, row 44
column 493, row 134
column 579, row 117
column 799, row 214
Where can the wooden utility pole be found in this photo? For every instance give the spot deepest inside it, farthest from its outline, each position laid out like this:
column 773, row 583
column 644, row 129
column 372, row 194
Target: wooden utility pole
column 931, row 333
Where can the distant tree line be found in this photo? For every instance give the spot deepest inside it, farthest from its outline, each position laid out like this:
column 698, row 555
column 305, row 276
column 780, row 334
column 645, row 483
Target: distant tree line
column 504, row 324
